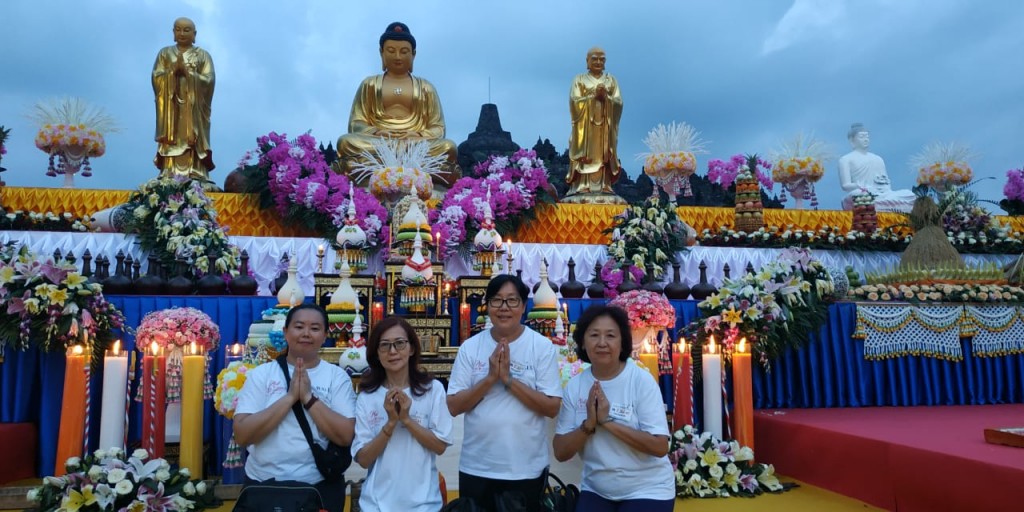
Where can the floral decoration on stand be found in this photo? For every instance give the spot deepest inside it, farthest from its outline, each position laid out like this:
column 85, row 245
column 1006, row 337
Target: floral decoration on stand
column 1013, row 203
column 645, row 237
column 673, row 159
column 940, row 166
column 649, row 314
column 4, row 134
column 778, row 306
column 518, row 184
column 111, row 480
column 396, row 167
column 47, row 304
column 799, row 164
column 229, row 384
column 175, row 330
column 294, row 179
column 708, row 467
column 71, row 131
column 967, row 223
column 175, row 220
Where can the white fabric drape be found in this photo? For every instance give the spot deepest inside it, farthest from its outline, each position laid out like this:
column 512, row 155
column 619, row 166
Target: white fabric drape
column 265, row 256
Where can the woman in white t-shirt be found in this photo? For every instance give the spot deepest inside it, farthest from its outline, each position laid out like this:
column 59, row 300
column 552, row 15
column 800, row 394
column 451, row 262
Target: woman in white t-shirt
column 402, row 423
column 264, row 420
column 505, row 380
column 612, row 415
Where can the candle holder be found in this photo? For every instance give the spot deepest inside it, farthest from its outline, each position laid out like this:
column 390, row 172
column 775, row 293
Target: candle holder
column 508, row 256
column 320, row 259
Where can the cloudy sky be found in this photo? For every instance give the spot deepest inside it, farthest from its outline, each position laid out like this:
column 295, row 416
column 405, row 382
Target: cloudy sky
column 747, row 74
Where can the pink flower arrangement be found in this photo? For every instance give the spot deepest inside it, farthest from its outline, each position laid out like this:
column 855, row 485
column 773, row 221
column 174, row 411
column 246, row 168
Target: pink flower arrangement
column 229, row 385
column 724, row 173
column 646, row 309
column 517, row 184
column 612, row 276
column 304, row 189
column 177, row 329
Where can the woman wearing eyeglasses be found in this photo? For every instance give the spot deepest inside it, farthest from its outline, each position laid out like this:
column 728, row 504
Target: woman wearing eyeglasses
column 505, row 380
column 402, row 423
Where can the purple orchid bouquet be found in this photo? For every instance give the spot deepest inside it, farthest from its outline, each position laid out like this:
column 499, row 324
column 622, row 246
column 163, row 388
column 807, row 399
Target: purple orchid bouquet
column 292, row 177
column 49, row 305
column 724, row 173
column 1013, row 203
column 517, row 183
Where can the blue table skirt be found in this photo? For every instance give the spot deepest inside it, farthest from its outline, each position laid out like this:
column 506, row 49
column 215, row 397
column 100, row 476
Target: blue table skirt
column 830, row 372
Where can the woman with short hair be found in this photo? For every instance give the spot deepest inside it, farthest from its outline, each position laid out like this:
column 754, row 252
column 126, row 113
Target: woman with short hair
column 612, row 415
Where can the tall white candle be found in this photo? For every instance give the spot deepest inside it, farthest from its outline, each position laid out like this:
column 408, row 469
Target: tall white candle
column 115, row 379
column 711, row 370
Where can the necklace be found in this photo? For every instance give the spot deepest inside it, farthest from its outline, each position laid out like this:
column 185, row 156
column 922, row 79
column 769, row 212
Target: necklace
column 398, row 91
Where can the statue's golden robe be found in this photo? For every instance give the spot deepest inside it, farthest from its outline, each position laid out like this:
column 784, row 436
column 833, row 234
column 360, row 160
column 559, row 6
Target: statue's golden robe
column 183, row 112
column 593, row 154
column 368, row 115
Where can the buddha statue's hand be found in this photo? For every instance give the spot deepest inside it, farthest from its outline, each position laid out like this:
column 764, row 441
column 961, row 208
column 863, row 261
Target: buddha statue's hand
column 882, row 179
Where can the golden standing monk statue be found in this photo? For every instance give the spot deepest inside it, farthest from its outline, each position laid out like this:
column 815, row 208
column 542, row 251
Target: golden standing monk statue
column 183, row 82
column 398, row 105
column 595, row 104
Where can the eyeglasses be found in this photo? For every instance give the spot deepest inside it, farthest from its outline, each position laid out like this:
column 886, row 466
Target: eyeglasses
column 398, row 345
column 511, row 302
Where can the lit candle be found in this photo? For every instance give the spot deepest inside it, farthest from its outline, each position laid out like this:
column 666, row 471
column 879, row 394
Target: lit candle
column 320, row 250
column 72, row 416
column 742, row 395
column 193, row 370
column 682, row 410
column 711, row 367
column 464, row 319
column 377, row 313
column 234, row 353
column 154, row 400
column 115, row 380
column 649, row 359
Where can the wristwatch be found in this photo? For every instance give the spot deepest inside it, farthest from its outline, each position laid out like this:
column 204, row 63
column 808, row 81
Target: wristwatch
column 309, row 403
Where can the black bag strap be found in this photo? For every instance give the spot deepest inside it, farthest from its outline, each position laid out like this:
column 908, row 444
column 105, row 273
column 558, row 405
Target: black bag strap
column 300, row 415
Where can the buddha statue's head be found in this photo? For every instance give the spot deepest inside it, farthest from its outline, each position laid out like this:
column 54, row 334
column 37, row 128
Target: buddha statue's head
column 859, row 137
column 397, row 49
column 184, row 32
column 595, row 61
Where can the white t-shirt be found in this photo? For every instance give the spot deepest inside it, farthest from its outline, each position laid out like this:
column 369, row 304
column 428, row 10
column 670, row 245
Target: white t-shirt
column 611, row 468
column 404, row 476
column 284, row 454
column 504, row 439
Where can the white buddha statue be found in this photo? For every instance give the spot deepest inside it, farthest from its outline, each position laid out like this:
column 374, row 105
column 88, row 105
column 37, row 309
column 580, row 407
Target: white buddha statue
column 861, row 170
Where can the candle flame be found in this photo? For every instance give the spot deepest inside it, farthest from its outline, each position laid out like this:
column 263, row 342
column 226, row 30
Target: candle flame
column 743, row 345
column 683, row 348
column 77, row 350
column 236, row 348
column 117, row 348
column 711, row 346
column 154, row 348
column 192, row 348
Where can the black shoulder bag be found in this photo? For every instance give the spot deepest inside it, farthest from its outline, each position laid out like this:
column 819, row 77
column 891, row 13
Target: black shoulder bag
column 331, row 461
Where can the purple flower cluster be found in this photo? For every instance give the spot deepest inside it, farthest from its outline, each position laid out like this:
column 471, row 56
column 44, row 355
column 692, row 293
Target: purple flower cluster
column 514, row 184
column 1014, row 188
column 724, row 173
column 298, row 175
column 611, row 274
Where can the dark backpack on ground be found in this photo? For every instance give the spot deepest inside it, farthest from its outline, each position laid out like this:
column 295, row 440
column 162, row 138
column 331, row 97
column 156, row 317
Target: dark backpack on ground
column 559, row 497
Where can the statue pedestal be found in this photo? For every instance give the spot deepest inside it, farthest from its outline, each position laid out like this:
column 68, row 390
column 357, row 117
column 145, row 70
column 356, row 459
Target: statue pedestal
column 593, row 198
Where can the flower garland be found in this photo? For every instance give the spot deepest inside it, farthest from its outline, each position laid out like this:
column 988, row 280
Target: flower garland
column 110, row 480
column 777, row 307
column 19, row 220
column 175, row 330
column 175, row 220
column 707, row 467
column 517, row 184
column 647, row 236
column 229, row 384
column 724, row 173
column 294, row 179
column 49, row 305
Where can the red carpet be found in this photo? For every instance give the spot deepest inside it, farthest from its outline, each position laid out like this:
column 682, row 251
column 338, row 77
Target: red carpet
column 899, row 458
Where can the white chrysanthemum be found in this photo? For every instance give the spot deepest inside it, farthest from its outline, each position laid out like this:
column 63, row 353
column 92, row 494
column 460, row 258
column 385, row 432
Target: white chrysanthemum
column 162, row 475
column 123, row 487
column 116, row 475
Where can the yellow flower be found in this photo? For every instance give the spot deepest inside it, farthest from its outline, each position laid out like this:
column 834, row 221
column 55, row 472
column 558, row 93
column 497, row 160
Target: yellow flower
column 76, row 500
column 732, row 316
column 710, row 457
column 57, row 296
column 6, row 275
column 715, row 301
